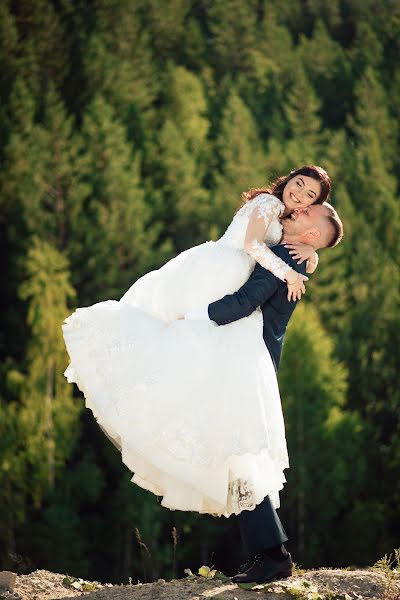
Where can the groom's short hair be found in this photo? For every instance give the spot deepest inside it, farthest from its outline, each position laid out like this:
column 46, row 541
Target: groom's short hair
column 336, row 227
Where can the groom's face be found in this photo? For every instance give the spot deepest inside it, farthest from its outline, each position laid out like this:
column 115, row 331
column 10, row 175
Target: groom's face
column 301, row 222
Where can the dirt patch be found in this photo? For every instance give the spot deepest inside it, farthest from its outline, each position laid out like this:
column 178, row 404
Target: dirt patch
column 322, row 584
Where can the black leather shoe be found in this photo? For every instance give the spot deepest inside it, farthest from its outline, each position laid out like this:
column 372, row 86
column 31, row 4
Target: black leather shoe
column 263, row 569
column 245, row 566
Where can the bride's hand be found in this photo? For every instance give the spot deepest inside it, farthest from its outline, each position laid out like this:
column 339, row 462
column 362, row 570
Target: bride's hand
column 300, row 252
column 295, row 282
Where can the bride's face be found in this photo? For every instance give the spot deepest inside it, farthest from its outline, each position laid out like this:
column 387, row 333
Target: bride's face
column 300, row 192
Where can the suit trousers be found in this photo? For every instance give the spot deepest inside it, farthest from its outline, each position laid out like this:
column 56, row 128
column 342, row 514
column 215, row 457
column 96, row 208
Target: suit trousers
column 261, row 528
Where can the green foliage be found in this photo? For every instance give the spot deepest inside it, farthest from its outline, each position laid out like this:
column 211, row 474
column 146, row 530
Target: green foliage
column 128, row 132
column 232, row 24
column 182, row 159
column 117, row 58
column 325, row 441
column 115, row 239
column 49, row 414
column 240, row 157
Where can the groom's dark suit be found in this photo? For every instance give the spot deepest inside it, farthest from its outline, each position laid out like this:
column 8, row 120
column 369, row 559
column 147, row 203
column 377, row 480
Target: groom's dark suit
column 261, row 528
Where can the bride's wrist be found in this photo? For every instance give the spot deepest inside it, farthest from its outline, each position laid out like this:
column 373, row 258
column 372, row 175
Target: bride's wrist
column 291, row 277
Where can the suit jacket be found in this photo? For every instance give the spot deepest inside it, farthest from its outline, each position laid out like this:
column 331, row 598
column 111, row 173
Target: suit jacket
column 266, row 291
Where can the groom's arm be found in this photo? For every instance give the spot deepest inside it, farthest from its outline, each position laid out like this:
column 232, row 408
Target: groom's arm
column 260, row 286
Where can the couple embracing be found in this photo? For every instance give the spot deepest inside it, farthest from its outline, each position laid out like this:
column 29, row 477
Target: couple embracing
column 181, row 372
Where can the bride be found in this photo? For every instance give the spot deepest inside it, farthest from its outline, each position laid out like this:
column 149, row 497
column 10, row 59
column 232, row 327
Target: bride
column 195, row 408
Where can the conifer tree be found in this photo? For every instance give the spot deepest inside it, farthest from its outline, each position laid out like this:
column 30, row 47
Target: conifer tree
column 329, row 70
column 324, row 439
column 232, row 25
column 8, row 54
column 328, row 288
column 180, row 167
column 302, row 139
column 45, row 44
column 117, row 242
column 13, row 472
column 193, row 45
column 44, row 183
column 263, row 86
column 185, row 201
column 118, row 60
column 186, row 106
column 302, row 107
column 48, row 414
column 166, row 25
column 375, row 189
column 329, row 13
column 367, row 50
column 372, row 117
column 240, row 159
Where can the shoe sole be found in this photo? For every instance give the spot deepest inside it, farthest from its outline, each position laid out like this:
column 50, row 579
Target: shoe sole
column 277, row 577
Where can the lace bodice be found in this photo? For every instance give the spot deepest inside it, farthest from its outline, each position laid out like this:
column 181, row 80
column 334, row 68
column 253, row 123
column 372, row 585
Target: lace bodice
column 254, row 228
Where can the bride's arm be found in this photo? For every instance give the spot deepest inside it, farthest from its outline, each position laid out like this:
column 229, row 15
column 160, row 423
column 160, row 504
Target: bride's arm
column 266, row 209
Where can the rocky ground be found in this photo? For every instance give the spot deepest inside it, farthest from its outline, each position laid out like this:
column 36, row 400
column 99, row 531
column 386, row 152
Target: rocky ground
column 322, row 584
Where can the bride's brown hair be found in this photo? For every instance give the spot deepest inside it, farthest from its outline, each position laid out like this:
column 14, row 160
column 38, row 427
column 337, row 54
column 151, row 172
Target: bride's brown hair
column 276, row 188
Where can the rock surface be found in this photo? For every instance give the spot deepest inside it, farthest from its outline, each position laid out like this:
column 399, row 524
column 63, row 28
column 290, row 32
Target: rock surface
column 322, row 584
column 7, row 580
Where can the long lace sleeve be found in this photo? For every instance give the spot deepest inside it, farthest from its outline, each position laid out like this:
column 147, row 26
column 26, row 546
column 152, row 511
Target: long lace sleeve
column 266, row 208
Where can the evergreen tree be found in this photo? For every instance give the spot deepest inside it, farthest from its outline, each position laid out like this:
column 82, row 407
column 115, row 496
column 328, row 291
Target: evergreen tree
column 240, row 159
column 328, row 13
column 13, row 472
column 375, row 186
column 302, row 107
column 373, row 117
column 301, row 142
column 324, row 440
column 330, row 72
column 8, row 61
column 166, row 24
column 193, row 46
column 328, row 288
column 44, row 184
column 181, row 165
column 263, row 85
column 48, row 414
column 233, row 28
column 186, row 106
column 45, row 46
column 118, row 61
column 367, row 50
column 117, row 243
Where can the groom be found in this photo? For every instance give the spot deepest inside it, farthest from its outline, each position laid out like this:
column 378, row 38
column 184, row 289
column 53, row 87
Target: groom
column 319, row 226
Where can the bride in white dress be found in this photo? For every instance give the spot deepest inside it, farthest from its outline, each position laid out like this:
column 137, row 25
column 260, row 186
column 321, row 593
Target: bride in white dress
column 195, row 408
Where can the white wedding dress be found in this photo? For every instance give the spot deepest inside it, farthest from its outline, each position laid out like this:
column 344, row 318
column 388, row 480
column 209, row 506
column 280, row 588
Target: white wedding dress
column 193, row 407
